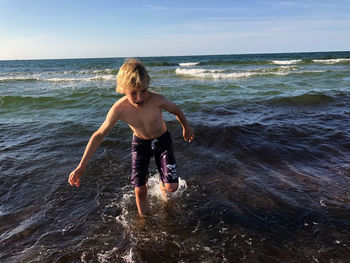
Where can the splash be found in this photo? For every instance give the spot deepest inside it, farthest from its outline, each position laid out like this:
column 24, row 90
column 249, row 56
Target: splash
column 154, row 189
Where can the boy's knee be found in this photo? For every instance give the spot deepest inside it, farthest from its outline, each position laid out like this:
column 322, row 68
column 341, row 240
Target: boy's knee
column 172, row 187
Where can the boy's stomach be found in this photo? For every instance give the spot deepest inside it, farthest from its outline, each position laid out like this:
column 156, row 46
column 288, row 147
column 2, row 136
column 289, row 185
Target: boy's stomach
column 149, row 133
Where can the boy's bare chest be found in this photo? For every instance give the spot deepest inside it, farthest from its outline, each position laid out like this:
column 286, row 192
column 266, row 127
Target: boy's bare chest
column 145, row 117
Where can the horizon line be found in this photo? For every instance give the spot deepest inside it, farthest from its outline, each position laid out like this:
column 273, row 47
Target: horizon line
column 159, row 56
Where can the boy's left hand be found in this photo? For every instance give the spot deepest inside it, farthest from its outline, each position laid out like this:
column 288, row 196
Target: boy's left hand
column 188, row 134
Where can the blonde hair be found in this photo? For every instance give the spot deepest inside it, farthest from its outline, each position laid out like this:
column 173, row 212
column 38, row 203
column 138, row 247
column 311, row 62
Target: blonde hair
column 132, row 75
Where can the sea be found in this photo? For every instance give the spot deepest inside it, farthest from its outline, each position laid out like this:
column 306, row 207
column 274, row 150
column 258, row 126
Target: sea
column 266, row 179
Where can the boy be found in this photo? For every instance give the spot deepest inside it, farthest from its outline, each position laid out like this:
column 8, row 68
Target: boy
column 142, row 110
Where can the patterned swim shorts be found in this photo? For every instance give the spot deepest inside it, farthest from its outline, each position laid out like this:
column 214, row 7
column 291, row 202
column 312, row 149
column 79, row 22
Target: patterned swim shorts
column 141, row 152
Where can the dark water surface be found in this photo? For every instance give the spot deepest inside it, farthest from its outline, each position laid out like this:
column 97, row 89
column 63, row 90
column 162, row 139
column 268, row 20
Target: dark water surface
column 267, row 178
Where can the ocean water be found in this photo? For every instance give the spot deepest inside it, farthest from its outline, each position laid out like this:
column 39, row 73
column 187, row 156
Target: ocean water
column 267, row 178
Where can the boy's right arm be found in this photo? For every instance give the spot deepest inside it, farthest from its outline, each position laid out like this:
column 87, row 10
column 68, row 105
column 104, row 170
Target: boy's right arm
column 93, row 144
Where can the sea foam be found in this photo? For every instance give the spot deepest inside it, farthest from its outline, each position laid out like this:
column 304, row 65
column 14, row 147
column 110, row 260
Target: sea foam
column 58, row 79
column 286, row 62
column 224, row 74
column 211, row 73
column 188, row 64
column 332, row 61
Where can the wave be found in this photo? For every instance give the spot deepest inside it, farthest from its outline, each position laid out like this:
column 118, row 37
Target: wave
column 61, row 76
column 307, row 99
column 14, row 101
column 256, row 139
column 74, row 99
column 214, row 74
column 88, row 72
column 279, row 61
column 228, row 74
column 332, row 61
column 59, row 79
column 286, row 62
column 12, row 79
column 278, row 69
column 188, row 64
column 159, row 64
column 95, row 78
column 233, row 62
column 253, row 62
column 106, row 72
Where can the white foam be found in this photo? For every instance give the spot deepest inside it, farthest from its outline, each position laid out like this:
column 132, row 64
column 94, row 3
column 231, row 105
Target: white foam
column 188, row 64
column 331, row 61
column 82, row 257
column 286, row 62
column 128, row 257
column 128, row 199
column 285, row 73
column 221, row 74
column 104, row 77
column 101, row 78
column 213, row 74
column 154, row 189
column 75, row 72
column 153, row 186
column 57, row 79
column 87, row 72
column 106, row 256
column 278, row 69
column 126, row 215
column 18, row 78
column 124, row 204
column 61, row 79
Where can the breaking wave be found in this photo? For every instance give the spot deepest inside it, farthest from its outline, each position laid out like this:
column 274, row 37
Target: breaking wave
column 58, row 79
column 189, row 64
column 286, row 62
column 332, row 61
column 229, row 74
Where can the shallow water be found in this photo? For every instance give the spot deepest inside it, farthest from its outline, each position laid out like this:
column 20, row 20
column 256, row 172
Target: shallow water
column 267, row 177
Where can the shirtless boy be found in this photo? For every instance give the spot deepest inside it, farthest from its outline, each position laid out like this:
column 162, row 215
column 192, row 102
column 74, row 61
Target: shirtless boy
column 142, row 110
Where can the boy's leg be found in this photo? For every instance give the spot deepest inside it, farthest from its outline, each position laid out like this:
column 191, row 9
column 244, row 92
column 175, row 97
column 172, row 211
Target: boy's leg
column 168, row 190
column 169, row 187
column 142, row 200
column 166, row 164
column 140, row 154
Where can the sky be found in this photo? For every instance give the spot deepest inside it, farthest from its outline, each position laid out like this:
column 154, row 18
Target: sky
column 45, row 29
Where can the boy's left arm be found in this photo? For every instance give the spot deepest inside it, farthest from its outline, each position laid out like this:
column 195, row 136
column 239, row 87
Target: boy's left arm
column 171, row 107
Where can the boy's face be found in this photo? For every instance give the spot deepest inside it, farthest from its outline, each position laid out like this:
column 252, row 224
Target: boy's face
column 138, row 97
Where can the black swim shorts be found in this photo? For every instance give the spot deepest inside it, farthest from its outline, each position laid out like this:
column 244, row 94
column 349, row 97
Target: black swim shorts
column 141, row 152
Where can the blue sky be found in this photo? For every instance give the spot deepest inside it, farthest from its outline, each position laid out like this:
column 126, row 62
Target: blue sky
column 38, row 29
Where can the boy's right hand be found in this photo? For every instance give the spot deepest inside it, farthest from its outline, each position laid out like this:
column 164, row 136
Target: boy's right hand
column 74, row 176
column 188, row 134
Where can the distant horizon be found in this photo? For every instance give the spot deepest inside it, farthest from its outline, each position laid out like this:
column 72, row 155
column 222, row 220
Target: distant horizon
column 197, row 55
